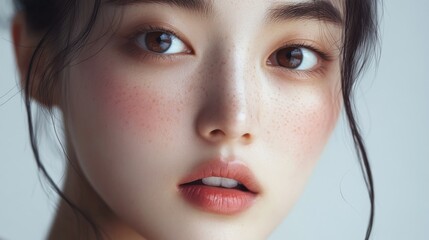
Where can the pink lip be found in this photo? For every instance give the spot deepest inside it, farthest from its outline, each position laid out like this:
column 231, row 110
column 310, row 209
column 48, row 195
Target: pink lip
column 216, row 199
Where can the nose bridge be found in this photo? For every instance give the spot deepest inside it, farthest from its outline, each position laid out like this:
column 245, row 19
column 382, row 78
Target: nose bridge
column 232, row 83
column 228, row 110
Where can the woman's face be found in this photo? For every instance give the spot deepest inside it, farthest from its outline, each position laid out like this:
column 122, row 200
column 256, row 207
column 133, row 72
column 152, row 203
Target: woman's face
column 187, row 92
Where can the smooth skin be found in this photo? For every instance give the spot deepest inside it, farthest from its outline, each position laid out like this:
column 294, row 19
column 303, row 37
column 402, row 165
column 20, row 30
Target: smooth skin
column 138, row 121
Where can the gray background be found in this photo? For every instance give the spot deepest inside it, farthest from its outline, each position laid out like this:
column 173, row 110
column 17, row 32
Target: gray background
column 393, row 104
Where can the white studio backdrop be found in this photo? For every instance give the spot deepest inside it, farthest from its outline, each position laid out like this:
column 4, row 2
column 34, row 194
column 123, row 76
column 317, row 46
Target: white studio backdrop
column 393, row 104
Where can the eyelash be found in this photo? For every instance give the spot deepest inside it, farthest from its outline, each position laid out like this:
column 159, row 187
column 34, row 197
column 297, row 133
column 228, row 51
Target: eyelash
column 143, row 55
column 325, row 56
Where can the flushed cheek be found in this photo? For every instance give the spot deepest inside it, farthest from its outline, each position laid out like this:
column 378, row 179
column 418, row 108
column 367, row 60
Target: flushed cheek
column 118, row 116
column 314, row 123
column 121, row 128
column 304, row 122
column 136, row 109
column 129, row 104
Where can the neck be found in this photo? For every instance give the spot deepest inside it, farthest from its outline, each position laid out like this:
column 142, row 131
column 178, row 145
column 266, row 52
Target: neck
column 72, row 224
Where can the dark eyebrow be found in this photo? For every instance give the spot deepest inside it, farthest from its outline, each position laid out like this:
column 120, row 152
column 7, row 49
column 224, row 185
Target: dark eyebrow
column 314, row 10
column 200, row 6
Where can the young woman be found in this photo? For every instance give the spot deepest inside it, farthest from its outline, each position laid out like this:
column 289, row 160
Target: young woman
column 190, row 119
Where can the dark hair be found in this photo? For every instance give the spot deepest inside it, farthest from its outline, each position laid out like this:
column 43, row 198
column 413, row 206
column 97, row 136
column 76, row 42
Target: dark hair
column 49, row 18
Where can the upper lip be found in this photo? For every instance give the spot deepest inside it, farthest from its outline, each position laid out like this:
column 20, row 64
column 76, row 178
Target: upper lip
column 236, row 170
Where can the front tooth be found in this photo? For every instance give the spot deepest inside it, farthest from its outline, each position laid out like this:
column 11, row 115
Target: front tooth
column 212, row 181
column 219, row 181
column 229, row 183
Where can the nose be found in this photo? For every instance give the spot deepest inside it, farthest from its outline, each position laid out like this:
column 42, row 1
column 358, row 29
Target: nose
column 228, row 112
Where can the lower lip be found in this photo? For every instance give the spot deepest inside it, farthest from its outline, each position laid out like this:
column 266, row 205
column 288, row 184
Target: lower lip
column 217, row 200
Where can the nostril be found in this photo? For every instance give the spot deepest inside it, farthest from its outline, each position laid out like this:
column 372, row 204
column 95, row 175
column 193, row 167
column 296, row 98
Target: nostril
column 247, row 136
column 217, row 133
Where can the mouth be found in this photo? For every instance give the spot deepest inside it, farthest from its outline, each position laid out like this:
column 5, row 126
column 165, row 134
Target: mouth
column 219, row 182
column 220, row 187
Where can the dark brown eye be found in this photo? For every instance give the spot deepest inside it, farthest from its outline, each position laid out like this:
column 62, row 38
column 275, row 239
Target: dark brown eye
column 161, row 42
column 158, row 41
column 290, row 57
column 297, row 58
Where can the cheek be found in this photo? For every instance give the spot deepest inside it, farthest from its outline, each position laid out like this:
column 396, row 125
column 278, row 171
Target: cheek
column 313, row 116
column 123, row 104
column 302, row 122
column 121, row 113
column 135, row 109
column 120, row 126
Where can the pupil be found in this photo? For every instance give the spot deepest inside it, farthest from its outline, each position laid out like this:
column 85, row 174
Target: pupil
column 158, row 42
column 290, row 57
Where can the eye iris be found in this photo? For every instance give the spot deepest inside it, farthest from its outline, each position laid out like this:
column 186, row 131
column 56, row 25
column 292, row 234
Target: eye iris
column 290, row 57
column 158, row 42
